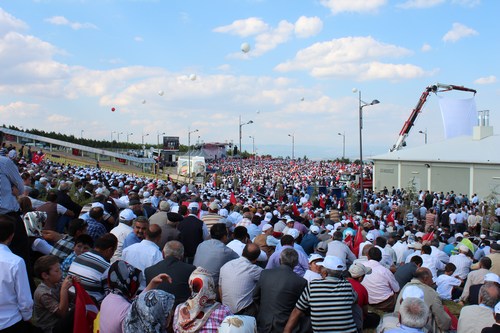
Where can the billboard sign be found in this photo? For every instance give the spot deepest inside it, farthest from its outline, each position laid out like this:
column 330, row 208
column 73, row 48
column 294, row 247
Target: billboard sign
column 171, row 143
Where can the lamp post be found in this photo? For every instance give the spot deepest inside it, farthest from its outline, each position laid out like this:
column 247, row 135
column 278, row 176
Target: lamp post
column 241, row 125
column 425, row 135
column 112, row 132
column 293, row 145
column 143, row 138
column 253, row 144
column 158, row 138
column 81, row 134
column 343, row 144
column 362, row 104
column 189, row 152
column 118, row 140
column 129, row 134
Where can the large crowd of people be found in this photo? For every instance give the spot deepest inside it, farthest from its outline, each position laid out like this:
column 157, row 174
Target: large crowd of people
column 273, row 245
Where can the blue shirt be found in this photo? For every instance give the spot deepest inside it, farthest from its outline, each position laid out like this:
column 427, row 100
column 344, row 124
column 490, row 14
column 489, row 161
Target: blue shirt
column 300, row 269
column 9, row 177
column 131, row 239
column 309, row 243
column 95, row 229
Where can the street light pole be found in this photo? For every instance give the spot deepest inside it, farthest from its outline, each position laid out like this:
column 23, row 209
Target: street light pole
column 253, row 144
column 343, row 144
column 189, row 152
column 362, row 104
column 293, row 145
column 112, row 135
column 143, row 138
column 129, row 134
column 241, row 125
column 118, row 140
column 81, row 134
column 425, row 135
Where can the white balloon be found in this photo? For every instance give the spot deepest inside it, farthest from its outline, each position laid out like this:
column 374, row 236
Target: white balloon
column 245, row 47
column 143, row 101
column 354, row 90
column 161, row 92
column 192, row 77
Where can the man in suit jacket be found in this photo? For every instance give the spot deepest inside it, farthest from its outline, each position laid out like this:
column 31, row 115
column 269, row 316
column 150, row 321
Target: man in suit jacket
column 277, row 293
column 173, row 252
column 192, row 232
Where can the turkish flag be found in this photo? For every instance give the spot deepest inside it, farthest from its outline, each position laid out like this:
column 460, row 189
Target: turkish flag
column 390, row 217
column 232, row 199
column 295, row 210
column 85, row 311
column 358, row 239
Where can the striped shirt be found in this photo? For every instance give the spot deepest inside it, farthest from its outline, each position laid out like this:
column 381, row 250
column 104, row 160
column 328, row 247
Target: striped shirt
column 330, row 303
column 210, row 219
column 92, row 269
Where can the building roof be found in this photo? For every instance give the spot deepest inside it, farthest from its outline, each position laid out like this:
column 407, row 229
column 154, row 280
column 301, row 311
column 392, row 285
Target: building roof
column 461, row 149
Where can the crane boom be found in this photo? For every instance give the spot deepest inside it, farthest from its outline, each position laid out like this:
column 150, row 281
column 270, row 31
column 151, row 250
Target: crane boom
column 435, row 88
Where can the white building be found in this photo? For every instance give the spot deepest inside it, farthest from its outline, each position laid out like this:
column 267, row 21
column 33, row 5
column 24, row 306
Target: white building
column 466, row 164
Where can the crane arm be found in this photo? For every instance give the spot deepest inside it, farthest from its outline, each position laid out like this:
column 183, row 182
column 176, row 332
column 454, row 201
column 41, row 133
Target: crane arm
column 438, row 87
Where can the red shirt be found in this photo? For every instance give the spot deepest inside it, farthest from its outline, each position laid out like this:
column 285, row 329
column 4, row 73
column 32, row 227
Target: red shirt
column 361, row 291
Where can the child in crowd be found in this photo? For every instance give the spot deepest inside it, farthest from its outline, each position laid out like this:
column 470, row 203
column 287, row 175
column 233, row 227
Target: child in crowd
column 83, row 243
column 52, row 305
column 446, row 283
column 313, row 273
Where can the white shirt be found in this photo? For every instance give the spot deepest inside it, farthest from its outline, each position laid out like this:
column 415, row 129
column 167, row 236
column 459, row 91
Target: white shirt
column 399, row 247
column 441, row 255
column 16, row 303
column 121, row 231
column 462, row 262
column 432, row 263
column 238, row 246
column 142, row 255
column 445, row 285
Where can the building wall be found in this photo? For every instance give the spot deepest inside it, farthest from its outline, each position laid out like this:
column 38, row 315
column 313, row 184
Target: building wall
column 460, row 177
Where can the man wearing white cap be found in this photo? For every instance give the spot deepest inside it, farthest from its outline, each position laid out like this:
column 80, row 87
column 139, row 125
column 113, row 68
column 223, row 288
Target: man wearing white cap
column 329, row 301
column 461, row 261
column 369, row 240
column 122, row 230
column 313, row 273
column 261, row 240
column 310, row 240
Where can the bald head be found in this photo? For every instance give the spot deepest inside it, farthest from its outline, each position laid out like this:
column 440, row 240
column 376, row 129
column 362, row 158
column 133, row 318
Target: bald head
column 251, row 252
column 424, row 275
column 153, row 233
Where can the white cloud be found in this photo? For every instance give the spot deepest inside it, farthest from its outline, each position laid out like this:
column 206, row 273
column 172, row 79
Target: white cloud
column 411, row 4
column 426, row 48
column 486, row 80
column 360, row 6
column 10, row 23
column 269, row 40
column 58, row 118
column 61, row 20
column 16, row 110
column 308, row 26
column 457, row 32
column 352, row 57
column 244, row 28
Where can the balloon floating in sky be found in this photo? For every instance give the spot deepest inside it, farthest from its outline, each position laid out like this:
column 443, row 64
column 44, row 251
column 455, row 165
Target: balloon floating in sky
column 192, row 77
column 143, row 101
column 113, row 109
column 245, row 47
column 302, row 99
column 161, row 92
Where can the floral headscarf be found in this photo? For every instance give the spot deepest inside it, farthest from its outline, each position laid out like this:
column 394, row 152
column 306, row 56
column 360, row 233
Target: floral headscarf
column 197, row 309
column 124, row 279
column 149, row 312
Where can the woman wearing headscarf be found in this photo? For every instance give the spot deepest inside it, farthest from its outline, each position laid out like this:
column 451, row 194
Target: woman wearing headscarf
column 150, row 312
column 123, row 283
column 201, row 312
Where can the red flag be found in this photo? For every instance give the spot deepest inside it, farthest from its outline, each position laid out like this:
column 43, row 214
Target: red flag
column 348, row 241
column 390, row 217
column 85, row 311
column 232, row 199
column 428, row 237
column 358, row 239
column 322, row 203
column 295, row 210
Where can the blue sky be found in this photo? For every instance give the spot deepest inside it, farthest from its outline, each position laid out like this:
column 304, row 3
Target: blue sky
column 67, row 63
